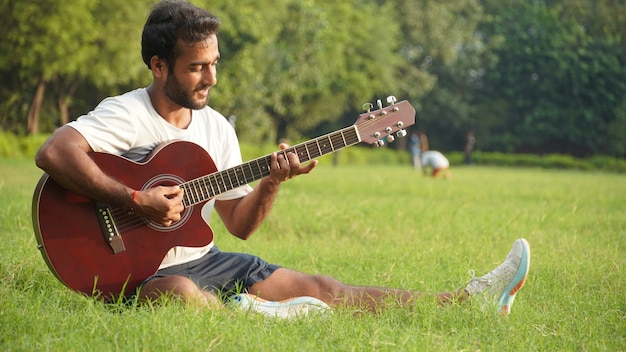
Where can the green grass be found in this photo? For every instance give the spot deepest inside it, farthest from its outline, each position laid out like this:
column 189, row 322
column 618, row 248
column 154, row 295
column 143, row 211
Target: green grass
column 379, row 225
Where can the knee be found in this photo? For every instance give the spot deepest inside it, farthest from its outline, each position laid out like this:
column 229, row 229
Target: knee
column 327, row 287
column 174, row 286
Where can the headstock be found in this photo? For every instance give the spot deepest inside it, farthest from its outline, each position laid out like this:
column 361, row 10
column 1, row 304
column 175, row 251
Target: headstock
column 377, row 126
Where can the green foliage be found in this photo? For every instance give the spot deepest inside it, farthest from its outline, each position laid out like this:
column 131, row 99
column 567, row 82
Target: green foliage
column 366, row 225
column 70, row 44
column 563, row 87
column 548, row 161
column 12, row 146
column 530, row 77
column 299, row 64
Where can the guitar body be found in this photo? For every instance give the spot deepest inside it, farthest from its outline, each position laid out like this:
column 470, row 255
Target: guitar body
column 70, row 236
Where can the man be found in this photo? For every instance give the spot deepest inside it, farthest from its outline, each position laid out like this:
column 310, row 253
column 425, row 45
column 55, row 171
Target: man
column 180, row 47
column 416, row 151
column 437, row 162
column 470, row 144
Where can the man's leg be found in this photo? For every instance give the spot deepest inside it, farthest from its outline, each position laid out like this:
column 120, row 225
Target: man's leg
column 178, row 286
column 503, row 283
column 284, row 284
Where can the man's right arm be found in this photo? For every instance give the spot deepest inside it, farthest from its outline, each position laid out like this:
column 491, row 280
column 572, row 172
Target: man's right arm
column 64, row 157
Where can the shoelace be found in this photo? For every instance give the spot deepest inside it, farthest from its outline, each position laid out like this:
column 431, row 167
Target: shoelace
column 481, row 279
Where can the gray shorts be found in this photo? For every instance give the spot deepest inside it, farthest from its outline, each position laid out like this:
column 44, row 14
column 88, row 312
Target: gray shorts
column 224, row 273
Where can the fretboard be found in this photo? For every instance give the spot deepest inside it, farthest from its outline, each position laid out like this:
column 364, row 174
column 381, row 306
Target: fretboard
column 204, row 188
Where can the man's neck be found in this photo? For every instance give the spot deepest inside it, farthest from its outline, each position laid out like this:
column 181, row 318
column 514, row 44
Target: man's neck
column 174, row 114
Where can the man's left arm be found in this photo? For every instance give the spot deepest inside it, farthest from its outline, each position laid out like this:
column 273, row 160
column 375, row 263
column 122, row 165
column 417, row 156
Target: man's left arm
column 243, row 216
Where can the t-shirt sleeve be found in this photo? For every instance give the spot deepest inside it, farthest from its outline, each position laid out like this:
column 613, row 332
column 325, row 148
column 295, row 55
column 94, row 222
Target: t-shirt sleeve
column 109, row 128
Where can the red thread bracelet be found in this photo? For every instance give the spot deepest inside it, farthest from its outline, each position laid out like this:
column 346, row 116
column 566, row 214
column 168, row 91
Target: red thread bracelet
column 132, row 206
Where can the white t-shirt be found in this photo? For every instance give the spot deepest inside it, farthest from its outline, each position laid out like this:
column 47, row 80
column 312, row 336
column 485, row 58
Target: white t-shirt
column 128, row 125
column 434, row 159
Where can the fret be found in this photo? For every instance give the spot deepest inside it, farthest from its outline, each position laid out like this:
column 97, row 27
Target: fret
column 241, row 179
column 189, row 193
column 186, row 201
column 207, row 180
column 312, row 149
column 264, row 168
column 328, row 145
column 194, row 191
column 229, row 179
column 336, row 140
column 306, row 148
column 215, row 181
column 222, row 182
column 319, row 148
column 246, row 171
column 206, row 186
column 258, row 169
column 353, row 136
column 233, row 177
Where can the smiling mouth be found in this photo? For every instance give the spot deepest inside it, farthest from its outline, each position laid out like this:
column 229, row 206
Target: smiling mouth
column 203, row 92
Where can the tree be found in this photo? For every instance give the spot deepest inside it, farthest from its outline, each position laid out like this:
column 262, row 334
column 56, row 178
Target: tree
column 69, row 43
column 562, row 87
column 447, row 58
column 298, row 64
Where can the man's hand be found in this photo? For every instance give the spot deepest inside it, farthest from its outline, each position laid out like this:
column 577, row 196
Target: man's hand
column 162, row 204
column 284, row 167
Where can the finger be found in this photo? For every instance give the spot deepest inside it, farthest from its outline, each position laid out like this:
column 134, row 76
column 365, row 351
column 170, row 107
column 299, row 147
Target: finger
column 283, row 161
column 308, row 167
column 294, row 165
column 172, row 191
column 293, row 159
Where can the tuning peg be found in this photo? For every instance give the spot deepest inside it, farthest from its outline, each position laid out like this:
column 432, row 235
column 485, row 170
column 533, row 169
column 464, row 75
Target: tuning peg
column 390, row 138
column 401, row 133
column 379, row 143
column 379, row 103
column 391, row 100
column 367, row 107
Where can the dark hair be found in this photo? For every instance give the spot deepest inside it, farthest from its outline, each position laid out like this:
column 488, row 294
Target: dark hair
column 171, row 20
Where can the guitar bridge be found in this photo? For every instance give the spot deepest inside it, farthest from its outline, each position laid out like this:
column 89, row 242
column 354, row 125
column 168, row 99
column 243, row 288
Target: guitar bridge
column 108, row 228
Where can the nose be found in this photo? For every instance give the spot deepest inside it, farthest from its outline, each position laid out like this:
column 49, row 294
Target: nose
column 210, row 76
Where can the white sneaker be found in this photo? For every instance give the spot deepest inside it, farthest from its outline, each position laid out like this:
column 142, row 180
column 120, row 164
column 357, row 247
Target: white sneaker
column 291, row 308
column 505, row 280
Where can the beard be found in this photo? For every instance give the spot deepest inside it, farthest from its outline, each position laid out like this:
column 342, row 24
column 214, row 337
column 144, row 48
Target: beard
column 176, row 93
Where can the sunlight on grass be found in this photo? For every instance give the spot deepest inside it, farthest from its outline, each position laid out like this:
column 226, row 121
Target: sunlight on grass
column 382, row 225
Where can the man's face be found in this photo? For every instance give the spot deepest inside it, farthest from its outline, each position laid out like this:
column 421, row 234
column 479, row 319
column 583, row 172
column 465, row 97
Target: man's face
column 194, row 73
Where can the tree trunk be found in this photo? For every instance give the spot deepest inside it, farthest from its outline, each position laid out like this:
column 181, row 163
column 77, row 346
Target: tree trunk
column 63, row 102
column 281, row 132
column 35, row 107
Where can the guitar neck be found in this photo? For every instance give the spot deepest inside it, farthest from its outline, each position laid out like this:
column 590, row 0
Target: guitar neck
column 204, row 188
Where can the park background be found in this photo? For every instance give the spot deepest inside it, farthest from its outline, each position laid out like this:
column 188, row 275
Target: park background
column 532, row 77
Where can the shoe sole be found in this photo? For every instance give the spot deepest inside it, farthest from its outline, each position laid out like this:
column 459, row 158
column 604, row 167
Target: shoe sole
column 507, row 297
column 297, row 307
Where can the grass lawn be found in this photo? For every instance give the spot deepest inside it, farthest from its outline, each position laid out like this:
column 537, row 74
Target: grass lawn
column 378, row 225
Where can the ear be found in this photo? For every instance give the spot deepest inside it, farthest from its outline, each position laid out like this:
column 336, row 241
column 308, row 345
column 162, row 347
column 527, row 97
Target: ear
column 158, row 66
